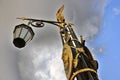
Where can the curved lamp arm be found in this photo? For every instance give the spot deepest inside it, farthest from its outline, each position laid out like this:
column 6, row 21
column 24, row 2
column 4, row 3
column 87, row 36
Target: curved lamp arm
column 40, row 23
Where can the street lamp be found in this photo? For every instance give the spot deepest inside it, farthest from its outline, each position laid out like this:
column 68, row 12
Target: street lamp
column 79, row 64
column 22, row 35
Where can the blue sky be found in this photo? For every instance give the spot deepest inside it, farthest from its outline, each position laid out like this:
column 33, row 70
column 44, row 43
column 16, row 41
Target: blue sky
column 109, row 37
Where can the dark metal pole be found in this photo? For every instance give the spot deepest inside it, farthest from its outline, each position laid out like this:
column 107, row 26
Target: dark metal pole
column 84, row 67
column 83, row 59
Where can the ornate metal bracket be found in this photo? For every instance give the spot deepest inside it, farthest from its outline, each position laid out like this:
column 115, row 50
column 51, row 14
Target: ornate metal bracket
column 40, row 23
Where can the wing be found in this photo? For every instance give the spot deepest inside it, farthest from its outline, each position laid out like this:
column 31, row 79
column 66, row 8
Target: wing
column 59, row 15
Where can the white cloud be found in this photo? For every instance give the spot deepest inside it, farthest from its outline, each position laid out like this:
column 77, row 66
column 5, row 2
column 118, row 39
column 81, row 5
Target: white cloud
column 42, row 63
column 86, row 15
column 116, row 11
column 98, row 50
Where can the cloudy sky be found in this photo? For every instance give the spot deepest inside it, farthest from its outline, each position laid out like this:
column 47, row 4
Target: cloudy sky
column 97, row 20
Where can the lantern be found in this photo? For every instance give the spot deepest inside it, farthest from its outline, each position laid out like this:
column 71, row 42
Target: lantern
column 22, row 35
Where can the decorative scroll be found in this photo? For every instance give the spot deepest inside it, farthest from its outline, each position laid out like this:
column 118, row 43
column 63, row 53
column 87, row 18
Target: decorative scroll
column 67, row 60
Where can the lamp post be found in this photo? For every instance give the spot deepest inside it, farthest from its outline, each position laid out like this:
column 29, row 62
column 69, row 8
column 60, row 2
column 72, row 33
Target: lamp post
column 79, row 64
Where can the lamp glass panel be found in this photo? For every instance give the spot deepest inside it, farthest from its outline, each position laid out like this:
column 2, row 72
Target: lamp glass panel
column 17, row 32
column 28, row 37
column 23, row 32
